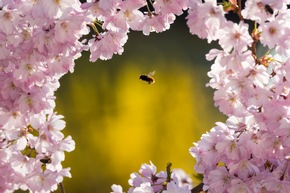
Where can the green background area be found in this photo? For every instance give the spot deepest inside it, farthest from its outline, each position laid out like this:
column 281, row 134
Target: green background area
column 119, row 122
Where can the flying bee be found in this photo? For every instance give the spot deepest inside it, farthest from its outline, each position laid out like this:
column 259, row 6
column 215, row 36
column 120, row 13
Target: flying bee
column 148, row 78
column 269, row 9
column 45, row 160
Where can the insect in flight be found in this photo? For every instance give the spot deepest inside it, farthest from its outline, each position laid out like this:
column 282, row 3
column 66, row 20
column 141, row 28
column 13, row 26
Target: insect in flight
column 148, row 78
column 269, row 9
column 45, row 160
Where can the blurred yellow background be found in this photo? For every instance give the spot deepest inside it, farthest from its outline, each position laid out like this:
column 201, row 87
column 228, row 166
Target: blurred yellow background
column 119, row 122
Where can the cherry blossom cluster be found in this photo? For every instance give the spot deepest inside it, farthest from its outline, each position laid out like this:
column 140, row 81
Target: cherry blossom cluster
column 249, row 153
column 149, row 181
column 39, row 41
column 38, row 44
column 113, row 20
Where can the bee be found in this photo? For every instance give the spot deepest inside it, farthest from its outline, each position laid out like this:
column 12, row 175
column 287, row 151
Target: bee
column 45, row 160
column 148, row 78
column 269, row 9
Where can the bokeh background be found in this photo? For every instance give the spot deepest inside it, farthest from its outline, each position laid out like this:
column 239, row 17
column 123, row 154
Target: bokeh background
column 119, row 122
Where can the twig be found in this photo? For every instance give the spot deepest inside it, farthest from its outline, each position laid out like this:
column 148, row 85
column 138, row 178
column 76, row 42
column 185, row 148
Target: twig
column 240, row 10
column 197, row 188
column 61, row 187
column 168, row 170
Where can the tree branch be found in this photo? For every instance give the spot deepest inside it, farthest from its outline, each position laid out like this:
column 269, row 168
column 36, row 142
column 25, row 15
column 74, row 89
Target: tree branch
column 197, row 188
column 240, row 10
column 61, row 187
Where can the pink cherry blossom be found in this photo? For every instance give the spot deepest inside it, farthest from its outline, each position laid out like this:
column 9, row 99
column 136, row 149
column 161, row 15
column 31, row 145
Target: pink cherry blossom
column 147, row 170
column 182, row 178
column 240, row 186
column 243, row 169
column 205, row 19
column 173, row 188
column 55, row 9
column 144, row 188
column 148, row 180
column 8, row 20
column 117, row 189
column 156, row 23
column 128, row 16
column 255, row 9
column 166, row 7
column 219, row 180
column 271, row 33
column 234, row 36
column 107, row 44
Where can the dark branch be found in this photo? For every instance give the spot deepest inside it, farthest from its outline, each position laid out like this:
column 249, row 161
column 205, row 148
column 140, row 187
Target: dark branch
column 197, row 188
column 62, row 187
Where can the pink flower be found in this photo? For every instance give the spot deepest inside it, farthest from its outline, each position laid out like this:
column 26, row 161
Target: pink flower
column 50, row 125
column 9, row 90
column 107, row 44
column 259, row 75
column 67, row 144
column 144, row 188
column 256, row 10
column 235, row 36
column 55, row 9
column 96, row 9
column 218, row 180
column 117, row 188
column 243, row 169
column 108, row 4
column 7, row 178
column 167, row 7
column 272, row 33
column 148, row 181
column 205, row 19
column 60, row 65
column 8, row 20
column 64, row 30
column 205, row 151
column 229, row 102
column 231, row 148
column 35, row 102
column 156, row 23
column 238, row 185
column 147, row 170
column 22, row 164
column 182, row 178
column 173, row 188
column 30, row 72
column 11, row 120
column 277, row 181
column 46, row 181
column 128, row 16
column 135, row 179
column 284, row 132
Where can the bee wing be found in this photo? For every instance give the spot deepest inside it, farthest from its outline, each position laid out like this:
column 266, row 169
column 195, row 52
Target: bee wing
column 151, row 73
